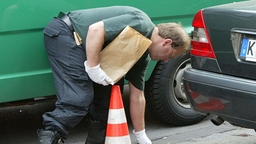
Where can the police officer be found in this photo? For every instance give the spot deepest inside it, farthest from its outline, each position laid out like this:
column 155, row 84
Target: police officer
column 73, row 43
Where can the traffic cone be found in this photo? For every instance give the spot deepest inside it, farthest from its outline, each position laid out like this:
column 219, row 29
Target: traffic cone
column 117, row 131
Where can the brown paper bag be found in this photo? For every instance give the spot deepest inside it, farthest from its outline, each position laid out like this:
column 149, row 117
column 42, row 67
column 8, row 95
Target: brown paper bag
column 123, row 52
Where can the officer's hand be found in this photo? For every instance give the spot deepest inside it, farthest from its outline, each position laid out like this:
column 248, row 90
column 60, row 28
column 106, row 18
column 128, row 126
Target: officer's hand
column 98, row 75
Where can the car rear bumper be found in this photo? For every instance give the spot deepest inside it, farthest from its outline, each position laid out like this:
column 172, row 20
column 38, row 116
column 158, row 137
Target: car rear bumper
column 231, row 98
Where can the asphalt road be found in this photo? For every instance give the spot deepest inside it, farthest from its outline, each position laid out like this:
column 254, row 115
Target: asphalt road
column 18, row 125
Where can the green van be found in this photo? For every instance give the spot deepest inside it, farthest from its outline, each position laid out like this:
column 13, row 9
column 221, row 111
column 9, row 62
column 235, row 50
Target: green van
column 25, row 74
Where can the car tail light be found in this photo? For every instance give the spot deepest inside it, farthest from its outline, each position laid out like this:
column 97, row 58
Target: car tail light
column 201, row 45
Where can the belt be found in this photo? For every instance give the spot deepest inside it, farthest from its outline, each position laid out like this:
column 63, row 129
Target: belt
column 64, row 17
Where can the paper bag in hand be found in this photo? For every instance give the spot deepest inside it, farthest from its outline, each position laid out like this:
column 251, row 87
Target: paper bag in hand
column 123, row 52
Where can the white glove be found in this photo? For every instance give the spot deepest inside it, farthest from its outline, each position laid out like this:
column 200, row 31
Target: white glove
column 98, row 75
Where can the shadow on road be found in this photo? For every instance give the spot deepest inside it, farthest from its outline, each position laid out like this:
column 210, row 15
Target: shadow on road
column 18, row 124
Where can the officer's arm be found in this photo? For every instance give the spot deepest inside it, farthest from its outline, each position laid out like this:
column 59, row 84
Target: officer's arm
column 94, row 42
column 137, row 107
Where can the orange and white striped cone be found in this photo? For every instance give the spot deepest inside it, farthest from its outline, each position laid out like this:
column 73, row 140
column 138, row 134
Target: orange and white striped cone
column 117, row 131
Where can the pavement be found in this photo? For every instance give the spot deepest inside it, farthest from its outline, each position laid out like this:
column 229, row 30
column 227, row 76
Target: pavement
column 207, row 133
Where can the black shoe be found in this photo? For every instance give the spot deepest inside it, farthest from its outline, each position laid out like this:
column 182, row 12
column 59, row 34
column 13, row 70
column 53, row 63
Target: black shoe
column 96, row 132
column 49, row 137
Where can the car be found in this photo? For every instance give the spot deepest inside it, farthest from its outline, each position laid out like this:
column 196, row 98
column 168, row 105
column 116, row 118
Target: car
column 221, row 82
column 25, row 74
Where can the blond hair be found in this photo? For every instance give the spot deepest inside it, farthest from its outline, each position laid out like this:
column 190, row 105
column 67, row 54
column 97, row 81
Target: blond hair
column 175, row 32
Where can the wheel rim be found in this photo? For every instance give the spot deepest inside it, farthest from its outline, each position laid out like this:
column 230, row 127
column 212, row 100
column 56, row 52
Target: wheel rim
column 178, row 86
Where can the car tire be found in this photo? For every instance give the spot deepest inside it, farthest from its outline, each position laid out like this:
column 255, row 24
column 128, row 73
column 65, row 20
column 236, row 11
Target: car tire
column 164, row 93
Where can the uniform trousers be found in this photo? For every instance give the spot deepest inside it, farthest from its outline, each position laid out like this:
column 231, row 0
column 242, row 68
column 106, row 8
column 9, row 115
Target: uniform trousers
column 76, row 93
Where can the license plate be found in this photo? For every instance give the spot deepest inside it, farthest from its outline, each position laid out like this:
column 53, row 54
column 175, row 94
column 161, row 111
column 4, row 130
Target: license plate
column 248, row 50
